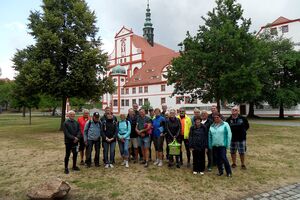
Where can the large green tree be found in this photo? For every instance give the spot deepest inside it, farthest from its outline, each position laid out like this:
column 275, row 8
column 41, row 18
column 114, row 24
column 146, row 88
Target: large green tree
column 221, row 49
column 67, row 55
column 5, row 93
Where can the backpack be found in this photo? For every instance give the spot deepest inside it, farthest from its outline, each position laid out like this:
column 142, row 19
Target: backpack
column 89, row 125
column 104, row 123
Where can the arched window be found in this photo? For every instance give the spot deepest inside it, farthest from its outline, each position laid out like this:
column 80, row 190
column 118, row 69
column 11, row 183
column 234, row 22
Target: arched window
column 135, row 70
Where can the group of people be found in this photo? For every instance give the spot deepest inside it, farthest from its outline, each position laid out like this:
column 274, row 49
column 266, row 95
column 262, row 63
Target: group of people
column 202, row 135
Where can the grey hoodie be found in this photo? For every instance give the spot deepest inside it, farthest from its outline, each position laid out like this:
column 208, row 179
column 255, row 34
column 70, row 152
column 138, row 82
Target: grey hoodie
column 92, row 131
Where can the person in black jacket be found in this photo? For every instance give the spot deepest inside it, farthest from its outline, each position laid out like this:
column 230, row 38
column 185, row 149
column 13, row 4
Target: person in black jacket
column 72, row 135
column 109, row 134
column 207, row 122
column 198, row 140
column 133, row 146
column 239, row 126
column 173, row 128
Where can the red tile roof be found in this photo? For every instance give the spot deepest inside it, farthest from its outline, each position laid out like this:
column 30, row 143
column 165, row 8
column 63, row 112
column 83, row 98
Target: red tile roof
column 151, row 71
column 280, row 20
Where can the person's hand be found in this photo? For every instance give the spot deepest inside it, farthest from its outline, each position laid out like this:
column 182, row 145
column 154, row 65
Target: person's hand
column 174, row 137
column 122, row 140
column 138, row 132
column 206, row 150
column 75, row 139
column 191, row 149
column 107, row 139
column 161, row 134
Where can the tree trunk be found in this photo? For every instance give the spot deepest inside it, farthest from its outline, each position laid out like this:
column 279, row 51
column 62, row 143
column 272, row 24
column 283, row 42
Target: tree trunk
column 281, row 111
column 53, row 111
column 63, row 112
column 219, row 105
column 29, row 116
column 251, row 110
column 24, row 111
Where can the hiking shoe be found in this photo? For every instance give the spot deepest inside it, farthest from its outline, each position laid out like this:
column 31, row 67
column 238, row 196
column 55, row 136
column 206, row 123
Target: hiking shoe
column 201, row 173
column 82, row 162
column 111, row 166
column 233, row 165
column 209, row 169
column 160, row 164
column 66, row 171
column 156, row 162
column 106, row 166
column 126, row 164
column 123, row 163
column 75, row 168
column 146, row 164
column 195, row 173
column 220, row 174
column 244, row 167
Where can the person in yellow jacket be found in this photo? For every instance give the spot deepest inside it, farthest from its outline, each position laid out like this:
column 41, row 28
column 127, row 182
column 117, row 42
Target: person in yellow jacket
column 186, row 124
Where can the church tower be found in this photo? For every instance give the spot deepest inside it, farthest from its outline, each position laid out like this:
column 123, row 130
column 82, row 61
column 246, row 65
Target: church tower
column 148, row 29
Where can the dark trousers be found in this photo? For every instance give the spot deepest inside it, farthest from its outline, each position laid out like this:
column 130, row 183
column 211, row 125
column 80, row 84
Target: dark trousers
column 198, row 160
column 187, row 149
column 109, row 147
column 71, row 147
column 89, row 150
column 220, row 154
column 209, row 155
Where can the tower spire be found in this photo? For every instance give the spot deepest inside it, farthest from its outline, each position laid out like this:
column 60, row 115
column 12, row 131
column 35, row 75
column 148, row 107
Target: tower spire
column 148, row 29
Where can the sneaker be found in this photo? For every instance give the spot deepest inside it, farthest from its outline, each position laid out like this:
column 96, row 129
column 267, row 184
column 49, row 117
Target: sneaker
column 244, row 167
column 195, row 173
column 156, row 162
column 75, row 168
column 233, row 165
column 111, row 166
column 123, row 163
column 229, row 175
column 160, row 164
column 82, row 162
column 201, row 173
column 66, row 171
column 106, row 166
column 220, row 174
column 209, row 169
column 126, row 164
column 146, row 164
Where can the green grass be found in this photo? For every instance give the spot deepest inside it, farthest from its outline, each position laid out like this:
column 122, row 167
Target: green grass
column 32, row 153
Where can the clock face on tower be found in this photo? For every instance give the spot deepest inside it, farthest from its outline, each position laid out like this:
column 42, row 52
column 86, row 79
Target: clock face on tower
column 123, row 47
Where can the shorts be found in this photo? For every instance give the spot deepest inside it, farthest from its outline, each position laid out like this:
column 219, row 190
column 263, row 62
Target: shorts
column 81, row 144
column 134, row 142
column 238, row 145
column 144, row 141
column 158, row 143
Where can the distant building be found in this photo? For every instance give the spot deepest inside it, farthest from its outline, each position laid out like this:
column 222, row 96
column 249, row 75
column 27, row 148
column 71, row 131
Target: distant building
column 286, row 28
column 137, row 65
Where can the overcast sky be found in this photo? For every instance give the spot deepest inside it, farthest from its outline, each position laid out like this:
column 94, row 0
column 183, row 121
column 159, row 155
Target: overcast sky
column 171, row 20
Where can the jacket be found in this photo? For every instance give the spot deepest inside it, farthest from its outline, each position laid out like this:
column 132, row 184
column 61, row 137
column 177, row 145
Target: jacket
column 71, row 130
column 133, row 122
column 219, row 135
column 109, row 129
column 187, row 126
column 198, row 138
column 92, row 131
column 173, row 127
column 239, row 127
column 124, row 129
column 158, row 125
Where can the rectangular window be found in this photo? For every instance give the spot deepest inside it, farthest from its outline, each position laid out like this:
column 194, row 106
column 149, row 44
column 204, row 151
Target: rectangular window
column 140, row 89
column 162, row 100
column 140, row 102
column 274, row 31
column 127, row 90
column 122, row 90
column 179, row 99
column 146, row 100
column 163, row 88
column 146, row 89
column 115, row 102
column 188, row 100
column 127, row 102
column 122, row 102
column 285, row 29
column 133, row 90
column 133, row 101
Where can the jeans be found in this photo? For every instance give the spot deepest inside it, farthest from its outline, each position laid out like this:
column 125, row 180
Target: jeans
column 123, row 146
column 220, row 154
column 89, row 150
column 71, row 147
column 111, row 148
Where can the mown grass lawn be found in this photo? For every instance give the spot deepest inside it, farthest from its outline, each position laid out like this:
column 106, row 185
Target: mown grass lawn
column 32, row 154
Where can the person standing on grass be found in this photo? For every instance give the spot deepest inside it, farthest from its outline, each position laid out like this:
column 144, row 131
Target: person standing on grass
column 135, row 108
column 72, row 136
column 207, row 122
column 164, row 112
column 124, row 130
column 158, row 136
column 239, row 126
column 132, row 118
column 219, row 139
column 82, row 121
column 109, row 135
column 173, row 129
column 186, row 124
column 198, row 141
column 151, row 116
column 142, row 129
column 92, row 132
